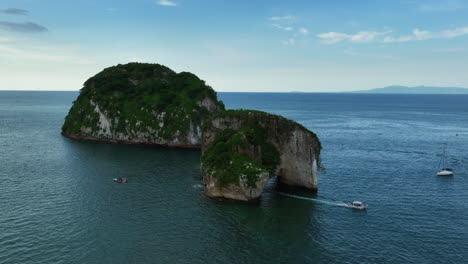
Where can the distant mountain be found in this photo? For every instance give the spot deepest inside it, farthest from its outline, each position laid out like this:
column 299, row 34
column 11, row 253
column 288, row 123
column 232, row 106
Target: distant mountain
column 416, row 90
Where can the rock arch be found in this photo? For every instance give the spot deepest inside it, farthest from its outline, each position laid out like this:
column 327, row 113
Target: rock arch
column 238, row 159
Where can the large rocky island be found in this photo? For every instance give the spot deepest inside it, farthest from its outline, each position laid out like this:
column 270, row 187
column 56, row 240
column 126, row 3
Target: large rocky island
column 141, row 103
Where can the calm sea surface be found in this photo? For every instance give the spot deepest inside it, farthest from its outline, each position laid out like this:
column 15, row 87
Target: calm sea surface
column 58, row 203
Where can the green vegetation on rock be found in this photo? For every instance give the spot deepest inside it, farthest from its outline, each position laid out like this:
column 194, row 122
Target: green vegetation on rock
column 142, row 98
column 241, row 152
column 285, row 125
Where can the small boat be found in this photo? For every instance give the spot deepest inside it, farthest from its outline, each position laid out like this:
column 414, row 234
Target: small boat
column 120, row 180
column 445, row 172
column 357, row 205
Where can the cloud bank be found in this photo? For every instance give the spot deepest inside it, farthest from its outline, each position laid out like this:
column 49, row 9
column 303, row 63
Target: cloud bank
column 359, row 37
column 276, row 18
column 418, row 34
column 27, row 27
column 14, row 11
column 286, row 28
column 383, row 37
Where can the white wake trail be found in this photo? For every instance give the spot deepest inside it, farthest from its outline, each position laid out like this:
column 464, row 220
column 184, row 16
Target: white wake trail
column 342, row 204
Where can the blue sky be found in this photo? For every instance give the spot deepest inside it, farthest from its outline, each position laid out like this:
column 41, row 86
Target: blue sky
column 315, row 46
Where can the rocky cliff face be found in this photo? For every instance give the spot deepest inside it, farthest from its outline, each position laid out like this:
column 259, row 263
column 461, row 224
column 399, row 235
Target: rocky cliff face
column 142, row 103
column 242, row 149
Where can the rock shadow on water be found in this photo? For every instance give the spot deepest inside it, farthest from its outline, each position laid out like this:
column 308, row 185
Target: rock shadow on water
column 274, row 230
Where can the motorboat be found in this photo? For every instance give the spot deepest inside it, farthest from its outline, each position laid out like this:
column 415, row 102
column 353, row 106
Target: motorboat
column 120, row 180
column 445, row 172
column 357, row 205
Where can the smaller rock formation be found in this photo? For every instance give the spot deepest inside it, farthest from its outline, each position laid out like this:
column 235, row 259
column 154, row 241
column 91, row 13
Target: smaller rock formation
column 242, row 149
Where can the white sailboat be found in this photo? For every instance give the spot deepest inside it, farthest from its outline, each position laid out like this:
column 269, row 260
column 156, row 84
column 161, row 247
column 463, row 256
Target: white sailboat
column 444, row 171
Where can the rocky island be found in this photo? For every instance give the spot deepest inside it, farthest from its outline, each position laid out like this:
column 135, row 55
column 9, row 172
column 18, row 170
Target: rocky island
column 141, row 103
column 242, row 149
column 144, row 104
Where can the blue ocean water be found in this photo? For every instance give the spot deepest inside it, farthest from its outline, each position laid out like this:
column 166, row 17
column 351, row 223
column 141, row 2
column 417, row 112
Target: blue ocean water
column 58, row 203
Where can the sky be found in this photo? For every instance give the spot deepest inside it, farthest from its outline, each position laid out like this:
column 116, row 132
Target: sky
column 238, row 45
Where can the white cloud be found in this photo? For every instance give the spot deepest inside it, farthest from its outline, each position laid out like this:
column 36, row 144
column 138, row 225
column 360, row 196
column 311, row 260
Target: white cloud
column 289, row 42
column 445, row 50
column 276, row 18
column 166, row 3
column 303, row 31
column 372, row 56
column 286, row 28
column 418, row 34
column 442, row 6
column 359, row 37
column 454, row 32
column 333, row 37
column 374, row 36
column 4, row 39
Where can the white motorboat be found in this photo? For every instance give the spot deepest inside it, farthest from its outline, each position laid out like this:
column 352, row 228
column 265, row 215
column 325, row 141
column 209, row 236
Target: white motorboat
column 445, row 172
column 357, row 205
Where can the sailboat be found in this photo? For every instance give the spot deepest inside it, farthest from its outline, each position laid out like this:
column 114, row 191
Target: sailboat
column 444, row 171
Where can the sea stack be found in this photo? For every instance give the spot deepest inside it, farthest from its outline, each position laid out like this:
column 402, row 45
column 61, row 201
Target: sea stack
column 142, row 103
column 242, row 149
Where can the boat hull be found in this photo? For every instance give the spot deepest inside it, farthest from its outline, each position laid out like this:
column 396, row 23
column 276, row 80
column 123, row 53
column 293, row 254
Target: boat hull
column 445, row 173
column 356, row 207
column 120, row 180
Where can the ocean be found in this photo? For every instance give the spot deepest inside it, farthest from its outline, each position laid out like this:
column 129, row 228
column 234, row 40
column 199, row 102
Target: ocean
column 59, row 204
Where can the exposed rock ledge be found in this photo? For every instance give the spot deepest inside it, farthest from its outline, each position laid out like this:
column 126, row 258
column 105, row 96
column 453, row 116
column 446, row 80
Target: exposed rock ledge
column 242, row 149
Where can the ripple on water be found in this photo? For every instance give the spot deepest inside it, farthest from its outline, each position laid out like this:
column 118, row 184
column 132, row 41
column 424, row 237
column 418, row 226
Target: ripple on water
column 60, row 205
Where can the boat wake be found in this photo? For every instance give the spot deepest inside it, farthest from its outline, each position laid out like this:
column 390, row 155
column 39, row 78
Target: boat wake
column 322, row 201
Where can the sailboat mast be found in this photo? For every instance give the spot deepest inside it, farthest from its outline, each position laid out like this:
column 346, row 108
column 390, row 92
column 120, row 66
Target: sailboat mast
column 442, row 160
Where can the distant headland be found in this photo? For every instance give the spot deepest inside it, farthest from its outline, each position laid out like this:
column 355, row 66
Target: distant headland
column 397, row 89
